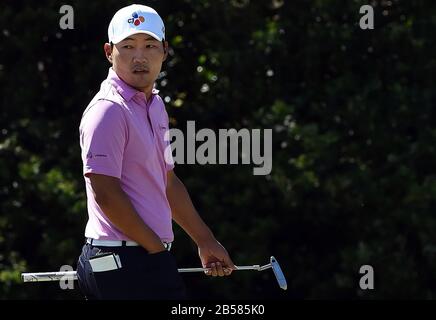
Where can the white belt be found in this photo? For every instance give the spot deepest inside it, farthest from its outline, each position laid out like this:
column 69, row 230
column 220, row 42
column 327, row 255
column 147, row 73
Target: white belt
column 120, row 243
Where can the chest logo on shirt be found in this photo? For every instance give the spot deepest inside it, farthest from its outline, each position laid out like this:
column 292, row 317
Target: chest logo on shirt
column 90, row 155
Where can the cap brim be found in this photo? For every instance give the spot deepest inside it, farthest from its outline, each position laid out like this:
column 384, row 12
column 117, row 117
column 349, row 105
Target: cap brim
column 124, row 36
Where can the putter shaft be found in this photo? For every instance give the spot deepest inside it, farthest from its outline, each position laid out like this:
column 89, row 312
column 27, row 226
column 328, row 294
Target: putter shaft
column 66, row 275
column 240, row 268
column 72, row 275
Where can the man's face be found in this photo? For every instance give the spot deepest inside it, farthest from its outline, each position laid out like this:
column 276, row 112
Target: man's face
column 137, row 60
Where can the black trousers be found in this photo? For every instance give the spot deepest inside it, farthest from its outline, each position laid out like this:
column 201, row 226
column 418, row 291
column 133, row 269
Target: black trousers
column 143, row 276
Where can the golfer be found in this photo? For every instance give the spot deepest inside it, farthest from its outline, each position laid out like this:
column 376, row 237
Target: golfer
column 132, row 191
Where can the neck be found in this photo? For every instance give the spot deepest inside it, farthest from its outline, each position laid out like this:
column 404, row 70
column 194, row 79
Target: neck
column 147, row 92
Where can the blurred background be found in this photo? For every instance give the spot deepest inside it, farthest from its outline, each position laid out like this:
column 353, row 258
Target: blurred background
column 352, row 111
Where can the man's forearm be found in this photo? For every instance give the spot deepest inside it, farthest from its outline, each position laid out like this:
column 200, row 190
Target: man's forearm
column 184, row 213
column 117, row 206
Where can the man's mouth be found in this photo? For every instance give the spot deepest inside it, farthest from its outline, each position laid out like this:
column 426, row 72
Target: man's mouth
column 140, row 70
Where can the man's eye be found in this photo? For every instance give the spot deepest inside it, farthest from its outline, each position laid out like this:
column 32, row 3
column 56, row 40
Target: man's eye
column 127, row 47
column 151, row 46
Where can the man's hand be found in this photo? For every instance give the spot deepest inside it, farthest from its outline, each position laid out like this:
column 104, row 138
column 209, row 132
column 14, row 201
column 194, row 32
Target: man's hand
column 214, row 256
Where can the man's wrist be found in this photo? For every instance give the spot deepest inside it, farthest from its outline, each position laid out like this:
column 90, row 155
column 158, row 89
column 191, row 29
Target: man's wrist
column 155, row 248
column 204, row 238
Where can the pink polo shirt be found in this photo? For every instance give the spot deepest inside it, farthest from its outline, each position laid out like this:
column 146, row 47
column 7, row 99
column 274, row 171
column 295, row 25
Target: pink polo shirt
column 122, row 135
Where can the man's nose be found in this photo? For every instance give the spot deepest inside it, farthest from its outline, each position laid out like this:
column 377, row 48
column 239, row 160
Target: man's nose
column 140, row 57
column 141, row 60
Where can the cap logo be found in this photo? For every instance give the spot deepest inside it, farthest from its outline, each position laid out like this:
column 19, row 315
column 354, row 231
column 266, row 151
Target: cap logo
column 136, row 19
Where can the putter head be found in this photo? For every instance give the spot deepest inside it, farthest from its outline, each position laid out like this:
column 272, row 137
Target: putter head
column 278, row 273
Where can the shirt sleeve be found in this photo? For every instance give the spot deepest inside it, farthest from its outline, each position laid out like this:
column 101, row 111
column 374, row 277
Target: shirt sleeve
column 103, row 136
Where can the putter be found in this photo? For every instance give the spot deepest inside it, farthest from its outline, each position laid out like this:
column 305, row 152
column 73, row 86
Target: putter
column 280, row 277
column 72, row 275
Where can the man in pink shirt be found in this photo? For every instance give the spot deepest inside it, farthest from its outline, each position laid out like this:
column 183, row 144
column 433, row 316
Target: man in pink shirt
column 133, row 193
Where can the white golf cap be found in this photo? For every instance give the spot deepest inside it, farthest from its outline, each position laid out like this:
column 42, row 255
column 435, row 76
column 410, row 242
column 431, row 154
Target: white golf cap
column 133, row 19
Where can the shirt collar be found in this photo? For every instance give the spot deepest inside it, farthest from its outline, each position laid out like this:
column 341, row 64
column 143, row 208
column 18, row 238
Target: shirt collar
column 126, row 91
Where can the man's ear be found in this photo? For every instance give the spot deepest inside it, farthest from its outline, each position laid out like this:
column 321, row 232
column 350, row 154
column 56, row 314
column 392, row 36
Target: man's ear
column 165, row 48
column 108, row 51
